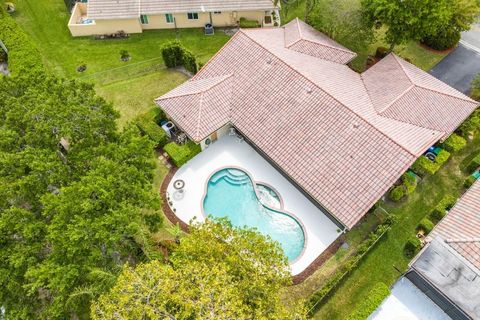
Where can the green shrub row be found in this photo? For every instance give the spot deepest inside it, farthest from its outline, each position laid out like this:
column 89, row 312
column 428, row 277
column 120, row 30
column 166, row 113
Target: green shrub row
column 444, row 205
column 180, row 154
column 374, row 299
column 475, row 92
column 471, row 126
column 446, row 38
column 23, row 56
column 474, row 164
column 174, row 54
column 315, row 300
column 245, row 23
column 148, row 124
column 424, row 166
column 454, row 143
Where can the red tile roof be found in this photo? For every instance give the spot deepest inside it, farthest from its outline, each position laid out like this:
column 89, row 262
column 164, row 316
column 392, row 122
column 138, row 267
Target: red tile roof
column 397, row 87
column 301, row 37
column 311, row 116
column 461, row 226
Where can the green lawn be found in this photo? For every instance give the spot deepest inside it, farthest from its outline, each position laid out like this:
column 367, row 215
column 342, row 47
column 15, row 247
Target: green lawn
column 381, row 264
column 132, row 85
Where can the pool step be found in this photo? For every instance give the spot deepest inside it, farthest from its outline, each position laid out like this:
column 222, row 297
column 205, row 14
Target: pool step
column 236, row 180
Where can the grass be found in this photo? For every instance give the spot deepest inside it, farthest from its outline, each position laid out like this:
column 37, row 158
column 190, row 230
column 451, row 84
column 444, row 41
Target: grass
column 386, row 261
column 135, row 96
column 131, row 85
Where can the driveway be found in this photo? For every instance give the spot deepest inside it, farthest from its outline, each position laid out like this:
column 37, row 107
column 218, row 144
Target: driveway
column 460, row 67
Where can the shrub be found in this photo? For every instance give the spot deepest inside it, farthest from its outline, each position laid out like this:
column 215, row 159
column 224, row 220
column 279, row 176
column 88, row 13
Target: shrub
column 153, row 220
column 374, row 299
column 423, row 166
column 381, row 52
column 245, row 23
column 23, row 56
column 442, row 157
column 454, row 143
column 440, row 209
column 411, row 247
column 175, row 54
column 180, row 154
column 410, row 182
column 172, row 53
column 397, row 193
column 471, row 125
column 469, row 181
column 446, row 38
column 189, row 61
column 148, row 125
column 426, row 225
column 474, row 164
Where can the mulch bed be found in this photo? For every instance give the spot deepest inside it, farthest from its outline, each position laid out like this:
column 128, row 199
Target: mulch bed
column 320, row 260
column 424, row 46
column 299, row 278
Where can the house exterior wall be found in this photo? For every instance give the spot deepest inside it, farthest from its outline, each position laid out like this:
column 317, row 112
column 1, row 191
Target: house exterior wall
column 223, row 19
column 223, row 131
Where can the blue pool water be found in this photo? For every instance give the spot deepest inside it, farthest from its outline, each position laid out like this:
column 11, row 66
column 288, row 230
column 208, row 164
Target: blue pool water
column 230, row 194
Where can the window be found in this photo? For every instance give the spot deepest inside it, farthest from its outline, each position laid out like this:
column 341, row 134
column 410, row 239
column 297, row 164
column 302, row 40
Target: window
column 144, row 19
column 217, row 12
column 169, row 18
column 192, row 16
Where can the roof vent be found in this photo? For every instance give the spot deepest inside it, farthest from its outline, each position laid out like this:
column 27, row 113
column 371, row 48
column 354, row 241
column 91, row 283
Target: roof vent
column 356, row 125
column 269, row 61
column 309, row 90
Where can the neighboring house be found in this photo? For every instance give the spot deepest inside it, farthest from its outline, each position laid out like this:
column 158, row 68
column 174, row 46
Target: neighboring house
column 98, row 17
column 341, row 137
column 447, row 270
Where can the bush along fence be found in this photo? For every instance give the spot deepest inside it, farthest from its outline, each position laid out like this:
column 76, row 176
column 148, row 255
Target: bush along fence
column 23, row 56
column 374, row 299
column 148, row 125
column 474, row 168
column 180, row 154
column 424, row 166
column 175, row 54
column 408, row 184
column 317, row 299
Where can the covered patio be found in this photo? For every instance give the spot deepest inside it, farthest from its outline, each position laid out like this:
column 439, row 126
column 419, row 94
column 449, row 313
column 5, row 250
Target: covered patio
column 230, row 151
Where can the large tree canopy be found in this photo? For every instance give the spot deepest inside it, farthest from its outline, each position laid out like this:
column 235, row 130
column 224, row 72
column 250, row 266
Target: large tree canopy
column 408, row 19
column 69, row 214
column 216, row 272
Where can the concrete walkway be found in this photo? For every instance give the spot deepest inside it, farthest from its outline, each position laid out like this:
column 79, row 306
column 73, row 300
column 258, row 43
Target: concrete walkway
column 319, row 230
column 462, row 65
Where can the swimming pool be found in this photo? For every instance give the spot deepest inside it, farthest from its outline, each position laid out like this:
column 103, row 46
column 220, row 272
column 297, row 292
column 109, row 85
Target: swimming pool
column 231, row 194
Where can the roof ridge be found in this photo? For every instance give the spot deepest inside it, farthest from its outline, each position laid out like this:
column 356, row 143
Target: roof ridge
column 402, row 67
column 329, row 94
column 462, row 240
column 396, row 99
column 329, row 46
column 225, row 77
column 467, row 99
column 199, row 116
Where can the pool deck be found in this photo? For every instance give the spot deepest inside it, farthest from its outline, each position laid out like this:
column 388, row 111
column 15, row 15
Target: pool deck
column 228, row 151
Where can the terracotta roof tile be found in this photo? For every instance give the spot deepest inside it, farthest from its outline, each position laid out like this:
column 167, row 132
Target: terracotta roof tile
column 461, row 226
column 312, row 117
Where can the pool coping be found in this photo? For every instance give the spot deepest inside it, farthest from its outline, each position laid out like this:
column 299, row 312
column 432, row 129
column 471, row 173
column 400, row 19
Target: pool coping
column 254, row 182
column 296, row 279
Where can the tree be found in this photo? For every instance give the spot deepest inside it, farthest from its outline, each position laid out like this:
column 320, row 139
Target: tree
column 342, row 20
column 407, row 19
column 216, row 272
column 70, row 215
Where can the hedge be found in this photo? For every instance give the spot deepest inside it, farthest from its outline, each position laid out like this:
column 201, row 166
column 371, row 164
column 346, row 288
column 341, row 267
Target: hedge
column 454, row 143
column 374, row 299
column 469, row 181
column 410, row 182
column 426, row 225
column 474, row 164
column 471, row 125
column 148, row 125
column 397, row 193
column 245, row 23
column 424, row 166
column 315, row 300
column 23, row 56
column 411, row 247
column 444, row 205
column 180, row 154
column 174, row 54
column 475, row 94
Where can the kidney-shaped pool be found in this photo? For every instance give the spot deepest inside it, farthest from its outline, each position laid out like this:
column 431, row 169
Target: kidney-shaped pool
column 232, row 194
